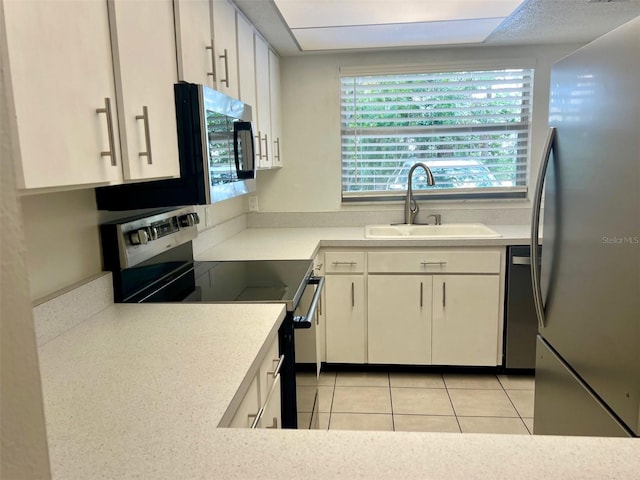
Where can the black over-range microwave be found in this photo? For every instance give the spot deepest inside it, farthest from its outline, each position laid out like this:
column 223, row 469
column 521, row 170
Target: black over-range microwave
column 217, row 160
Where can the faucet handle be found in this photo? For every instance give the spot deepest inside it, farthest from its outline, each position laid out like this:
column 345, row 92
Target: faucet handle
column 437, row 217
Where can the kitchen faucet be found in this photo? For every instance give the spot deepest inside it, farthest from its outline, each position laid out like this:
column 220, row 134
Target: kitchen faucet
column 410, row 205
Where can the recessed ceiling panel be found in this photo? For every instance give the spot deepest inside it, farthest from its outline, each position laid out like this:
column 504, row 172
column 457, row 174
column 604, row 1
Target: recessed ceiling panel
column 333, row 13
column 345, row 24
column 397, row 35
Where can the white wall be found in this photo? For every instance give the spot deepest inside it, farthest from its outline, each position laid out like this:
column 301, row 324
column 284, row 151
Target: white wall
column 310, row 179
column 24, row 442
column 62, row 236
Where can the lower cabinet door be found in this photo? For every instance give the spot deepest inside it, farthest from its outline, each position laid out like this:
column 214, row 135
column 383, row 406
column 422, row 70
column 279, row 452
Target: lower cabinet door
column 465, row 320
column 345, row 318
column 399, row 330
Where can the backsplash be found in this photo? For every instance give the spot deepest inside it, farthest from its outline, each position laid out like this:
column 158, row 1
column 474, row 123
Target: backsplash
column 359, row 218
column 60, row 312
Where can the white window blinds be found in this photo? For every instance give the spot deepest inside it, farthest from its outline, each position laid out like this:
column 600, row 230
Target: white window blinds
column 471, row 128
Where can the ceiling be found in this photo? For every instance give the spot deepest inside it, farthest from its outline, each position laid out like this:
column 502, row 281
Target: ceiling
column 533, row 22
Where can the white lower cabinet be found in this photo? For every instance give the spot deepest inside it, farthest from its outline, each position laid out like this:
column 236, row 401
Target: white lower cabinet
column 345, row 318
column 439, row 306
column 399, row 319
column 261, row 405
column 465, row 320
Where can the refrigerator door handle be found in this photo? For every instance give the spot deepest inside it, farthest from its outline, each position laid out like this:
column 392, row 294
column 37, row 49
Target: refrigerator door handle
column 535, row 227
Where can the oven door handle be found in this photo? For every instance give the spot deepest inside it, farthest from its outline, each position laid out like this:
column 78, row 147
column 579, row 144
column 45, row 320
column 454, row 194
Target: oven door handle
column 305, row 321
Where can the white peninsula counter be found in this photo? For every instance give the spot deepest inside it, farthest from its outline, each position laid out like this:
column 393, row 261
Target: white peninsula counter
column 138, row 391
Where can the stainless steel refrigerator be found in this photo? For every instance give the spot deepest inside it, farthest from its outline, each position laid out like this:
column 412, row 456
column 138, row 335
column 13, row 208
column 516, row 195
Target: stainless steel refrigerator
column 587, row 289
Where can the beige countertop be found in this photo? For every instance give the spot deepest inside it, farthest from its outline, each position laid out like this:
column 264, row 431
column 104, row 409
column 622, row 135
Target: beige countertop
column 302, row 243
column 137, row 391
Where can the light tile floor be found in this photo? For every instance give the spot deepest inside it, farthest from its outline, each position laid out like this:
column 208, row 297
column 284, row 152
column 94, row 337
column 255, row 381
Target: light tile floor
column 428, row 402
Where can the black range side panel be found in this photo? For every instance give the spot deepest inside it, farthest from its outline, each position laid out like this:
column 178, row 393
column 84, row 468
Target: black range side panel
column 190, row 188
column 289, row 407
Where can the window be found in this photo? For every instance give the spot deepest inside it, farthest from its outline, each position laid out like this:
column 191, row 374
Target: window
column 470, row 127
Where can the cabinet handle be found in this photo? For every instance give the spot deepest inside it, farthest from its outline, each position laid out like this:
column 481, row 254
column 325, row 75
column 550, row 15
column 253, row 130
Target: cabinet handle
column 147, row 135
column 225, row 80
column 266, row 147
column 111, row 152
column 421, row 294
column 213, row 62
column 280, row 361
column 274, row 424
column 337, row 264
column 319, row 311
column 353, row 295
column 256, row 419
column 425, row 263
column 259, row 142
column 444, row 294
column 277, row 144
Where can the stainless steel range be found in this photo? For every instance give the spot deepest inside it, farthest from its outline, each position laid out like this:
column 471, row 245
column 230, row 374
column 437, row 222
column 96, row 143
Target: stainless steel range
column 151, row 258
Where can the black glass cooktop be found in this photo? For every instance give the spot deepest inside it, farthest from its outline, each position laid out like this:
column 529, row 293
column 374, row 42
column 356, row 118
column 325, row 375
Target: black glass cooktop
column 259, row 281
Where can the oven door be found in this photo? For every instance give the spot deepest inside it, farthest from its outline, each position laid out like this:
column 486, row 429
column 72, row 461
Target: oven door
column 307, row 354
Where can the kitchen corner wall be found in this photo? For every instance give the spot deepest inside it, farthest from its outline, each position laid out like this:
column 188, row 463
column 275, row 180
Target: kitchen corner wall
column 310, row 180
column 63, row 241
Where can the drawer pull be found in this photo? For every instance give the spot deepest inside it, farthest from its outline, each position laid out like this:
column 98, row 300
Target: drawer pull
column 350, row 264
column 280, row 361
column 425, row 263
column 274, row 424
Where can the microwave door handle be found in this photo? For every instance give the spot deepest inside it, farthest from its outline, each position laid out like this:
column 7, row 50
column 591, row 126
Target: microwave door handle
column 305, row 321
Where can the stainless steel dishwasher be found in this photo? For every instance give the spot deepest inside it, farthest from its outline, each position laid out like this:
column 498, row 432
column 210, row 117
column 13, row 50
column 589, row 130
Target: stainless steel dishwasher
column 521, row 325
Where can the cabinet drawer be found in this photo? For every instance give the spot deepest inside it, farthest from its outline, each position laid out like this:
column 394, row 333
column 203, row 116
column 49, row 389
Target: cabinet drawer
column 344, row 262
column 249, row 407
column 270, row 415
column 268, row 371
column 435, row 261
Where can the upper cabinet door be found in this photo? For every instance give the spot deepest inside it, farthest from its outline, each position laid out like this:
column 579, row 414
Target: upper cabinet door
column 144, row 52
column 194, row 41
column 276, row 109
column 224, row 36
column 58, row 59
column 246, row 64
column 263, row 101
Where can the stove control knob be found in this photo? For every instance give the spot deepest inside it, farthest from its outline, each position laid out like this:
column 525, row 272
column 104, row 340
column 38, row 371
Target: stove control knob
column 189, row 220
column 139, row 237
column 153, row 233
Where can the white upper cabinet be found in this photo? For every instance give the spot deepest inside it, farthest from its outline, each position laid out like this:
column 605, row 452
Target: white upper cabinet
column 144, row 53
column 276, row 110
column 60, row 72
column 194, row 41
column 263, row 100
column 91, row 91
column 226, row 54
column 246, row 64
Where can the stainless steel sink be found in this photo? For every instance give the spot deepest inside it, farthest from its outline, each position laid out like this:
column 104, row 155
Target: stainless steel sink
column 448, row 230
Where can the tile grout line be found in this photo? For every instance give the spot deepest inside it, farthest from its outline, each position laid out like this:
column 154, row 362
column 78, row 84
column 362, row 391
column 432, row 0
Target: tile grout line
column 455, row 414
column 514, row 406
column 393, row 417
